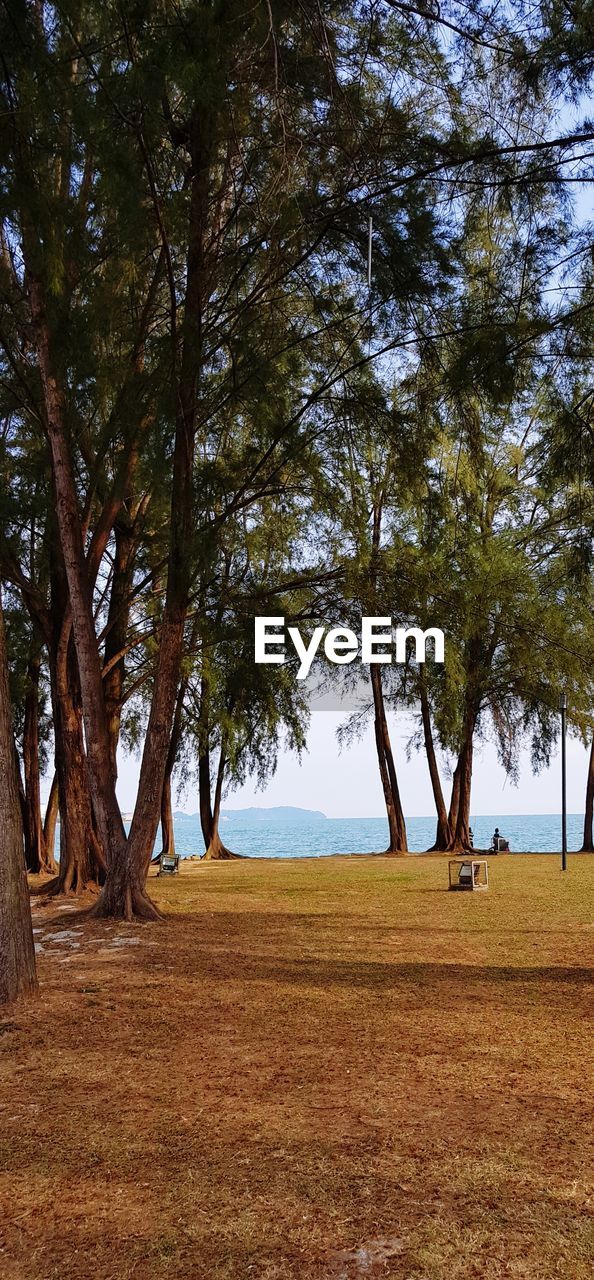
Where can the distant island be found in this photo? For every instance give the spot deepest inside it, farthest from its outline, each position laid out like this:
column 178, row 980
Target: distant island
column 277, row 813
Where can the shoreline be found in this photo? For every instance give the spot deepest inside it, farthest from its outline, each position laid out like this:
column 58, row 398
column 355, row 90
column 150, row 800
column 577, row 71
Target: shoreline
column 195, row 860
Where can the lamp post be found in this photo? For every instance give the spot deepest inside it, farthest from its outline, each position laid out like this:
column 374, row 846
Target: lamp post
column 563, row 710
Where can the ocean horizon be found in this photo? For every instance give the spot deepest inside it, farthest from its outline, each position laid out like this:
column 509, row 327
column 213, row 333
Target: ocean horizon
column 259, row 833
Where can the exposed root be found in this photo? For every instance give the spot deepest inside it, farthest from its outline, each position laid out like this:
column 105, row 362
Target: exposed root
column 132, row 904
column 220, row 853
column 58, row 888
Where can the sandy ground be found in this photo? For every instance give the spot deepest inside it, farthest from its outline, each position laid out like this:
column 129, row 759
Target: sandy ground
column 312, row 1070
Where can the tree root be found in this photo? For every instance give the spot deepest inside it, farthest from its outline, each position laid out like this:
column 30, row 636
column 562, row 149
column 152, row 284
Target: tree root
column 131, row 904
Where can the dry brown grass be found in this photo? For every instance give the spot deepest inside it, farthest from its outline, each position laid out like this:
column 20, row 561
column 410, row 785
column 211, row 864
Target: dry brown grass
column 311, row 1071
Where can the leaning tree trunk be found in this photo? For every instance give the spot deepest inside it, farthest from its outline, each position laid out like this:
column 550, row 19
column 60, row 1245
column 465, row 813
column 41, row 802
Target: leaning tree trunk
column 588, row 842
column 17, row 953
column 443, row 834
column 396, row 823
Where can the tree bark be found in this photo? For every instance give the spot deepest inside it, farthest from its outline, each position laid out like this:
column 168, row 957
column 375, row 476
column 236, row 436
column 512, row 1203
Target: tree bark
column 588, row 841
column 167, row 833
column 215, row 849
column 396, row 823
column 443, row 833
column 81, row 863
column 79, row 869
column 459, row 815
column 100, row 772
column 18, row 976
column 51, row 818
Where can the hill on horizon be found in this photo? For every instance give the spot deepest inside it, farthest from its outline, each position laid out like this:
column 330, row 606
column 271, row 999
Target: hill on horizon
column 281, row 813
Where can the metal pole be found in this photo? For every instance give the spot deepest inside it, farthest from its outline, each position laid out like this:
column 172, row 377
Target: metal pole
column 563, row 709
column 369, row 249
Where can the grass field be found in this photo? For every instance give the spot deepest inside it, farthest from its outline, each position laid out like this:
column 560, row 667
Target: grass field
column 315, row 1070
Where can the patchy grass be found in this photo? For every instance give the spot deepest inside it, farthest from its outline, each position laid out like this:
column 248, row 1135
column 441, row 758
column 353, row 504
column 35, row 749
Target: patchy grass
column 313, row 1070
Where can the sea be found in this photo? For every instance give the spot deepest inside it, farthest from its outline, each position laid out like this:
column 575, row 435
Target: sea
column 259, row 833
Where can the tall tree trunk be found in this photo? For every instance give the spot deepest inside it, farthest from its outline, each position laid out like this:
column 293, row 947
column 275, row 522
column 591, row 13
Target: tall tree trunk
column 51, row 818
column 41, row 857
column 100, row 773
column 80, row 868
column 396, row 823
column 18, row 976
column 443, row 833
column 588, row 842
column 124, row 893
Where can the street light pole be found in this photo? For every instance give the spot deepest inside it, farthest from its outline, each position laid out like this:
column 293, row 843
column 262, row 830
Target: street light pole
column 563, row 709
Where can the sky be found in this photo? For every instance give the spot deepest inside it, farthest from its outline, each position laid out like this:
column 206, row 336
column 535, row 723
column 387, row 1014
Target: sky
column 346, row 784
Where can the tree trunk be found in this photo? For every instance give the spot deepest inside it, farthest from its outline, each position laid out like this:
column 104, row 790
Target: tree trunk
column 167, row 834
column 396, row 823
column 215, row 850
column 79, row 868
column 18, row 976
column 41, row 857
column 100, row 772
column 459, row 815
column 28, row 851
column 443, row 833
column 51, row 818
column 123, row 893
column 588, row 842
column 454, row 800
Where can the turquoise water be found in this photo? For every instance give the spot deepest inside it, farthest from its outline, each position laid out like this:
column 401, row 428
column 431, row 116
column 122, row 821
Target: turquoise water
column 313, row 836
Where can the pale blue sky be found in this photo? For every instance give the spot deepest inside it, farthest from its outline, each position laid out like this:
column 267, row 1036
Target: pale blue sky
column 347, row 784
